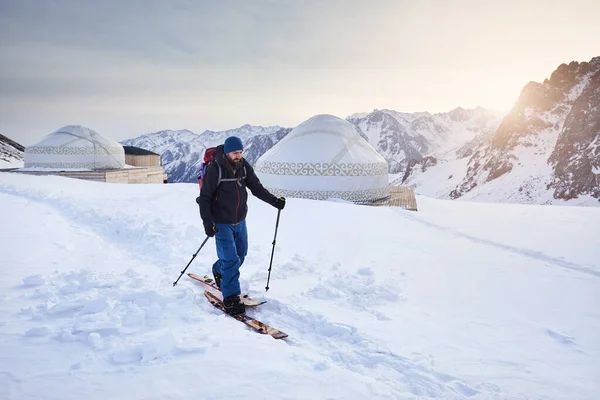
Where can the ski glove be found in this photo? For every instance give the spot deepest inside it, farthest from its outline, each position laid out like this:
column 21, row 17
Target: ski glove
column 279, row 203
column 210, row 229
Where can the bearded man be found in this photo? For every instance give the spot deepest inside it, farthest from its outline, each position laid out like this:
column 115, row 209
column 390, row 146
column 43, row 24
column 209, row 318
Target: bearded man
column 223, row 208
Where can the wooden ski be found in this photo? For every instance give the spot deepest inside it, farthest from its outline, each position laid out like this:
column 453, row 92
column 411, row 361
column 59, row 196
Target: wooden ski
column 255, row 324
column 210, row 282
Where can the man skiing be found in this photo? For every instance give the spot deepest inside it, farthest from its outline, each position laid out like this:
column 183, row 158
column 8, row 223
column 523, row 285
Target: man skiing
column 223, row 208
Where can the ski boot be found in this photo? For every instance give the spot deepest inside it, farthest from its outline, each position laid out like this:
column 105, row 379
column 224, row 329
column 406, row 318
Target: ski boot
column 233, row 305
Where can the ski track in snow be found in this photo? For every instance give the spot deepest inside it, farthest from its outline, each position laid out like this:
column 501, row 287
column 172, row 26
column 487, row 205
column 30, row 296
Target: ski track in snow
column 337, row 341
column 520, row 251
column 150, row 234
column 123, row 320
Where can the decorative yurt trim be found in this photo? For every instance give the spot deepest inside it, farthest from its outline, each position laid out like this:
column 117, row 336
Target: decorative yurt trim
column 325, row 158
column 75, row 147
column 354, row 196
column 323, row 169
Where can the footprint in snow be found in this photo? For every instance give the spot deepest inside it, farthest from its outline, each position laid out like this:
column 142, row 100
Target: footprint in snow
column 561, row 337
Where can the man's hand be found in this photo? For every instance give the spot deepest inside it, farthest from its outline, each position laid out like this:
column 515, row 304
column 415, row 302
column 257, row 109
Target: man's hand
column 280, row 203
column 210, row 229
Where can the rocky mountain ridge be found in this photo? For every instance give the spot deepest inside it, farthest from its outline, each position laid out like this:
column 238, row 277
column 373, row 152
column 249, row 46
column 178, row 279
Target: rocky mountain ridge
column 545, row 150
column 405, row 138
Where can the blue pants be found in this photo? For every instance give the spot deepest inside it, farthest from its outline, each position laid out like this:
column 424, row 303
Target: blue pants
column 232, row 247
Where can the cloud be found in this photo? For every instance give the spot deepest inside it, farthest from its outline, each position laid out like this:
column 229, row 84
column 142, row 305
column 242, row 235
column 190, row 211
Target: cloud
column 221, row 64
column 213, row 33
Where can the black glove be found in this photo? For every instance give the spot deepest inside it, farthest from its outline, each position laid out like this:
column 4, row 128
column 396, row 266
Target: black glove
column 279, row 203
column 210, row 229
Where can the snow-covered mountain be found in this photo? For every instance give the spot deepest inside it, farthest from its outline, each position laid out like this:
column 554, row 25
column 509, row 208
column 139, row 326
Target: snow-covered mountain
column 401, row 138
column 546, row 150
column 182, row 151
column 11, row 153
column 404, row 138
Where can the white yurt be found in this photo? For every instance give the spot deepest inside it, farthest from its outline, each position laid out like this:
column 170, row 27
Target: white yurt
column 324, row 158
column 75, row 147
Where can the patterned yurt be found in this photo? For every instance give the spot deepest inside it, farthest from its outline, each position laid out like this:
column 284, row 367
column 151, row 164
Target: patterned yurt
column 75, row 147
column 325, row 158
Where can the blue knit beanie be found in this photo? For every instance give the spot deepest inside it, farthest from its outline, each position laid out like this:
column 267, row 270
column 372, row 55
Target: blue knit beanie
column 232, row 143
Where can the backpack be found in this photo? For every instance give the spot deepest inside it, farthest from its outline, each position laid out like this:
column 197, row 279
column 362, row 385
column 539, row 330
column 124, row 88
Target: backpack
column 209, row 154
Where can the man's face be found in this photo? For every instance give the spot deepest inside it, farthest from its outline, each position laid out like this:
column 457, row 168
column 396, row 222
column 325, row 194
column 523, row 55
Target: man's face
column 235, row 157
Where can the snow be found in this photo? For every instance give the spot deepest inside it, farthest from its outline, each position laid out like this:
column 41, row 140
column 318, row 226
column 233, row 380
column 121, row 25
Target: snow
column 526, row 182
column 579, row 87
column 439, row 180
column 433, row 134
column 11, row 164
column 459, row 300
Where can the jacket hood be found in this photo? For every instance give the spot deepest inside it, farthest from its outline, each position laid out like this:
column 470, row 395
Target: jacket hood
column 220, row 155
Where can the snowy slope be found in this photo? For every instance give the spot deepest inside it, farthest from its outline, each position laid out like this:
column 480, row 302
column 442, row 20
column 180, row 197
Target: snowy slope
column 435, row 181
column 11, row 153
column 457, row 301
column 13, row 163
column 526, row 183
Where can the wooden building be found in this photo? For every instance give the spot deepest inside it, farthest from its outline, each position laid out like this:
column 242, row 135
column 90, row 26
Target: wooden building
column 138, row 157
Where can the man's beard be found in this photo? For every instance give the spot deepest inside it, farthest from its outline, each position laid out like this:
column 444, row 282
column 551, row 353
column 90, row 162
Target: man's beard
column 235, row 164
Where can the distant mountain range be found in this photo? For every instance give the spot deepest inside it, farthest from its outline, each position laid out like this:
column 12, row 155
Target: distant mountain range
column 182, row 151
column 546, row 150
column 402, row 138
column 399, row 137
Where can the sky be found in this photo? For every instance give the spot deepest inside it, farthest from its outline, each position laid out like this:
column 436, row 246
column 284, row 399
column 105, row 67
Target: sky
column 466, row 301
column 130, row 68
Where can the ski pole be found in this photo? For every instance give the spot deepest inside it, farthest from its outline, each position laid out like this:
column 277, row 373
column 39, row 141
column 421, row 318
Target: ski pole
column 194, row 256
column 273, row 251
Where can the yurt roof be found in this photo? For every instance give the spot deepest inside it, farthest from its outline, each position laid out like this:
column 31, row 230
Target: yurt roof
column 75, row 147
column 325, row 157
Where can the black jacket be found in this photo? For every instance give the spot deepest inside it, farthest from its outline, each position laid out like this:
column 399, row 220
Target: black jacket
column 227, row 202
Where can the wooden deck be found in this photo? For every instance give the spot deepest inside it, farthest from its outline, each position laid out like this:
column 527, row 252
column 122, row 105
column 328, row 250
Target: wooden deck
column 400, row 196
